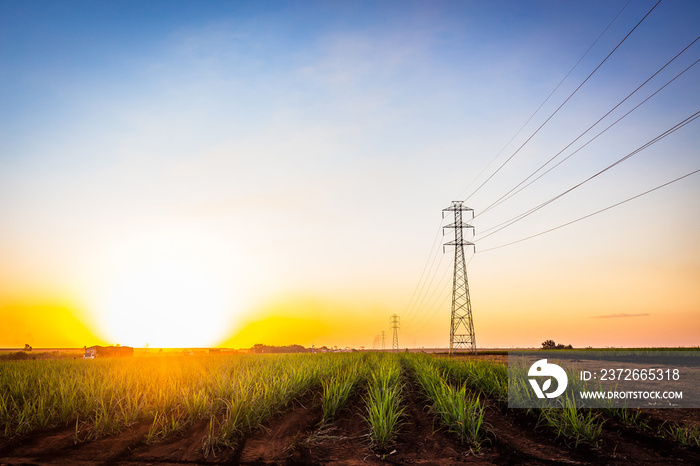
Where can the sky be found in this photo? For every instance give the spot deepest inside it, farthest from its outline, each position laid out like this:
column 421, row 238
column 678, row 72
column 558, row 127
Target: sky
column 178, row 174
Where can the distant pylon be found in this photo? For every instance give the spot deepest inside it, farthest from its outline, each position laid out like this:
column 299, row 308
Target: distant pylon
column 383, row 340
column 461, row 324
column 395, row 329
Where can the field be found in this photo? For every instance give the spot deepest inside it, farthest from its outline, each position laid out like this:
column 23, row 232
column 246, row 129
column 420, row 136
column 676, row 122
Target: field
column 344, row 408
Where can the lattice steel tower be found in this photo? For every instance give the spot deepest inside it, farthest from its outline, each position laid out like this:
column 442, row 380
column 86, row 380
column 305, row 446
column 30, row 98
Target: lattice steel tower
column 461, row 324
column 394, row 321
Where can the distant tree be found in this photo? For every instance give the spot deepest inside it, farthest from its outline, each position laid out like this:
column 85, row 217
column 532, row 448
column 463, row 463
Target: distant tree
column 552, row 345
column 549, row 344
column 27, row 347
column 295, row 349
column 261, row 348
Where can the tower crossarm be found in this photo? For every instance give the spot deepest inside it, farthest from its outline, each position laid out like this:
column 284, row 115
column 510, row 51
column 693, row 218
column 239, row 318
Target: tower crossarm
column 455, row 225
column 459, row 243
column 457, row 206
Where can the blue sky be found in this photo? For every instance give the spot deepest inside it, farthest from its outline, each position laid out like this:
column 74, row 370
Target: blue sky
column 318, row 141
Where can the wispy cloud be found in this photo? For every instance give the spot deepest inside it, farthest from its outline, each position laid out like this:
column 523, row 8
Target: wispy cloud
column 622, row 314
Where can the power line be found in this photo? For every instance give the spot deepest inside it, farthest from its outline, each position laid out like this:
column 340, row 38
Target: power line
column 430, row 284
column 592, row 214
column 433, row 254
column 594, row 138
column 430, row 298
column 424, row 292
column 425, row 288
column 619, row 161
column 433, row 308
column 565, row 101
column 545, row 100
column 506, row 196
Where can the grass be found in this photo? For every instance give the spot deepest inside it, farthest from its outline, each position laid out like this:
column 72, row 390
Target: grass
column 262, row 392
column 383, row 401
column 337, row 388
column 103, row 397
column 576, row 425
column 239, row 393
column 459, row 409
column 163, row 425
column 485, row 376
column 687, row 436
column 628, row 416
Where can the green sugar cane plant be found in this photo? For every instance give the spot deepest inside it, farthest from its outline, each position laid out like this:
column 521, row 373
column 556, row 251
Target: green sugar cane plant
column 263, row 392
column 684, row 435
column 337, row 388
column 485, row 376
column 577, row 425
column 383, row 401
column 459, row 410
column 104, row 395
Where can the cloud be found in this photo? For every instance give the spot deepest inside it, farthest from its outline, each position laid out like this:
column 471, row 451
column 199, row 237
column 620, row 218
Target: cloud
column 622, row 314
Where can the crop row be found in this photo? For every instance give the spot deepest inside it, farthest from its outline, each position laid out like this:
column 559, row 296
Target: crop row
column 567, row 421
column 458, row 408
column 236, row 394
column 384, row 401
column 576, row 425
column 101, row 397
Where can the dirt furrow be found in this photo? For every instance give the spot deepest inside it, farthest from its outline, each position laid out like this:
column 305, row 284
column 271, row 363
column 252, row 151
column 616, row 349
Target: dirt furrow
column 282, row 440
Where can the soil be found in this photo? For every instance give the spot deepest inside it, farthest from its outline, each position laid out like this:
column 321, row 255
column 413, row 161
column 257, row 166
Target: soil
column 296, row 436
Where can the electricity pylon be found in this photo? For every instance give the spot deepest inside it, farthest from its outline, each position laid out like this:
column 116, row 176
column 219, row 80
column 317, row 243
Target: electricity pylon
column 394, row 321
column 383, row 340
column 461, row 324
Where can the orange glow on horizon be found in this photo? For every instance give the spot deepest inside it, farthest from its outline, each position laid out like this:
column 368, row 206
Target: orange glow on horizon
column 173, row 298
column 317, row 322
column 306, row 321
column 44, row 324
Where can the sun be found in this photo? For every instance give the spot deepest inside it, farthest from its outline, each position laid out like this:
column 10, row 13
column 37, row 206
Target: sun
column 168, row 288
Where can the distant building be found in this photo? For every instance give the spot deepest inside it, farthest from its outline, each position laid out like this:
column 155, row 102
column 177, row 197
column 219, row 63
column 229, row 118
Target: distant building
column 108, row 352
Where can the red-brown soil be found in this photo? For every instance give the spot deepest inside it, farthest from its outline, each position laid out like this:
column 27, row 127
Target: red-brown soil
column 295, row 436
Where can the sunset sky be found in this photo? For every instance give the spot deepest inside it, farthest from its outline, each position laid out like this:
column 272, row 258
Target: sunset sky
column 229, row 173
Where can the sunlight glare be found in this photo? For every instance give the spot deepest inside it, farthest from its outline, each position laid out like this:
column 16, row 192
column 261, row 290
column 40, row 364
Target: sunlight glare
column 172, row 289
